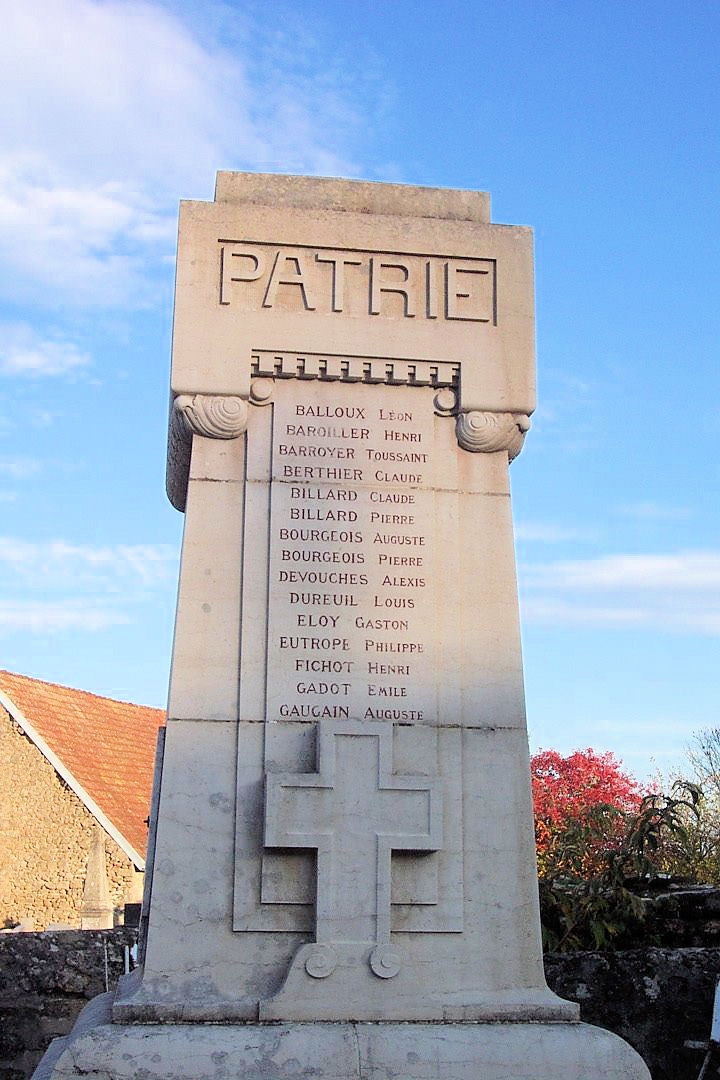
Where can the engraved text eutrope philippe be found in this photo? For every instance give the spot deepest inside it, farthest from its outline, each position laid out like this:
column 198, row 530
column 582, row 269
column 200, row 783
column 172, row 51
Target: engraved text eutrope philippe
column 351, row 591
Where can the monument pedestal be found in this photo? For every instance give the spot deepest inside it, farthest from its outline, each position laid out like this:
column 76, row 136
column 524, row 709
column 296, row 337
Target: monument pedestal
column 338, row 1051
column 342, row 868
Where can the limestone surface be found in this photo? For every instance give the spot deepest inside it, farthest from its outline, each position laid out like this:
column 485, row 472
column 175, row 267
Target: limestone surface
column 347, row 1052
column 343, row 871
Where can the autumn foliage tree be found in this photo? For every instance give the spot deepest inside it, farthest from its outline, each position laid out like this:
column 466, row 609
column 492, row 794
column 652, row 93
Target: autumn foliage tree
column 601, row 840
column 586, row 789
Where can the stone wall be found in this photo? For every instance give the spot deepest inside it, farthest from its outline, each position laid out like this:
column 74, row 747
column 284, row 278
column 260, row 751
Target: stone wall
column 46, row 837
column 45, row 980
column 682, row 916
column 660, row 1000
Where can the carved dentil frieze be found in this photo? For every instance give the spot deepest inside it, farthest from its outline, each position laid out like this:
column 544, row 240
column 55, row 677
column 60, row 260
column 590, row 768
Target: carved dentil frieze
column 486, row 432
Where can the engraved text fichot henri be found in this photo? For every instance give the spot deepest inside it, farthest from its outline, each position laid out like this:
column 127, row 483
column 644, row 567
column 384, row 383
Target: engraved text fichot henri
column 342, row 878
column 353, row 592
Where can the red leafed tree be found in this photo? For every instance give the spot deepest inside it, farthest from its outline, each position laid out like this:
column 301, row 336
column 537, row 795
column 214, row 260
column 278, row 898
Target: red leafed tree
column 575, row 791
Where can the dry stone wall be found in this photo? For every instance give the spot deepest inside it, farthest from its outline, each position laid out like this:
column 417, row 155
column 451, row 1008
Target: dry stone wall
column 45, row 840
column 658, row 1000
column 45, row 980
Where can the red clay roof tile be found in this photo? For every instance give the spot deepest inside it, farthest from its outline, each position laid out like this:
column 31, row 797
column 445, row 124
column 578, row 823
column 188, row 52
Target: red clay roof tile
column 108, row 746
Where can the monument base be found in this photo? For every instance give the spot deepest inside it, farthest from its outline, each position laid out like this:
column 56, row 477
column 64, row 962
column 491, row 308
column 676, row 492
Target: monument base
column 336, row 1051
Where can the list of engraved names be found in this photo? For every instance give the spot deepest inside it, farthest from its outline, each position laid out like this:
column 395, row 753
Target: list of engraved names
column 350, row 628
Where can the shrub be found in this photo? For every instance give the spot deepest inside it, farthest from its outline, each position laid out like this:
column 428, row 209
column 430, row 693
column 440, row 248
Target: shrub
column 595, row 902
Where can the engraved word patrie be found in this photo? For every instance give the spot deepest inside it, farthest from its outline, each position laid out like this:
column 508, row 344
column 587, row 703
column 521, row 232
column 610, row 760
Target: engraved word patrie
column 356, row 283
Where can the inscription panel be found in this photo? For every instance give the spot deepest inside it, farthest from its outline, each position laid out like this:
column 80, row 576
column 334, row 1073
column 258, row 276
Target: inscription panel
column 356, row 283
column 346, row 508
column 352, row 592
column 394, row 288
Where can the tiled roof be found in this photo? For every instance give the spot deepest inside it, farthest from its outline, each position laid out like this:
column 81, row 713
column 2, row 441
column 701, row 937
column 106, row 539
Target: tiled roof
column 107, row 747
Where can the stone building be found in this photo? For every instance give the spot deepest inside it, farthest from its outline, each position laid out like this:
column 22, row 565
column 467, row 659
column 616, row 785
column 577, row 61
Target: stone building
column 75, row 780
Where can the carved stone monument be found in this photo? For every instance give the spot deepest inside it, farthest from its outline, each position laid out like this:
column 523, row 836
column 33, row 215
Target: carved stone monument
column 343, row 876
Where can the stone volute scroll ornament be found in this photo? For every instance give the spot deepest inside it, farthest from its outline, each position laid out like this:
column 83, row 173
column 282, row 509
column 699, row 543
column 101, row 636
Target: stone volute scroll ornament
column 216, row 416
column 220, row 416
column 341, row 868
column 485, row 432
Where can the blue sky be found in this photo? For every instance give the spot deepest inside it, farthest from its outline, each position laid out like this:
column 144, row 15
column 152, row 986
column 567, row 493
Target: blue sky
column 597, row 124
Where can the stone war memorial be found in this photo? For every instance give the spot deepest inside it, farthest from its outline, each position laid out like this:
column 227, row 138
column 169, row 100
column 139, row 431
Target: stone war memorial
column 342, row 855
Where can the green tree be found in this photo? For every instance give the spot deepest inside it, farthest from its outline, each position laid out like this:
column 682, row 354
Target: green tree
column 694, row 854
column 600, row 906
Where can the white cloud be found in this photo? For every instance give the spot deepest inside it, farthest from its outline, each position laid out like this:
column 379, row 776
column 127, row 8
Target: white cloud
column 682, row 571
column 623, row 615
column 25, row 352
column 74, row 241
column 678, row 593
column 547, row 533
column 39, row 617
column 56, row 587
column 113, row 110
column 59, row 564
column 19, row 468
column 566, row 417
column 43, row 418
column 652, row 511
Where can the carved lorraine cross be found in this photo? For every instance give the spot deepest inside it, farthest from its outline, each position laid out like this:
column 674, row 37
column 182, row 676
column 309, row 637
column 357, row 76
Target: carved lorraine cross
column 354, row 811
